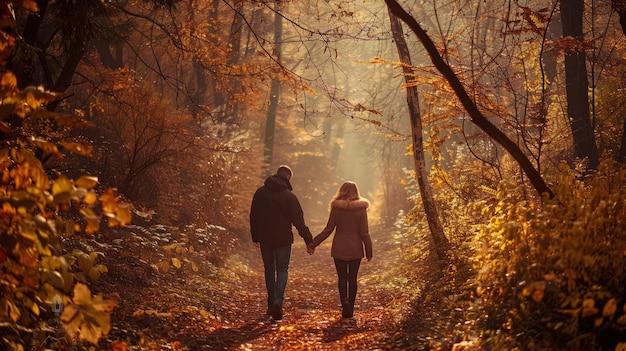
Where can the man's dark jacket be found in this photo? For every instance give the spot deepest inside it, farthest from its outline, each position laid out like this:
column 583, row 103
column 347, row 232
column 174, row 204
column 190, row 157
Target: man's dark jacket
column 275, row 208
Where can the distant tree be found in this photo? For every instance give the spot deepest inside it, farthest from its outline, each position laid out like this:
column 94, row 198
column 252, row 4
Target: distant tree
column 577, row 84
column 274, row 97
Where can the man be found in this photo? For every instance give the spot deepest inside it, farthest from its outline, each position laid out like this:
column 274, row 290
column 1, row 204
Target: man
column 275, row 208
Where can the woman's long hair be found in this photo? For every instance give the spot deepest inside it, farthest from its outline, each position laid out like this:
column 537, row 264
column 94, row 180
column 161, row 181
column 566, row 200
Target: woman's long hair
column 347, row 191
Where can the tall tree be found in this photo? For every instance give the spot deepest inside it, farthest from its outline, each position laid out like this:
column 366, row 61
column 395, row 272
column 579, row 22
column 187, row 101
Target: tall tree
column 620, row 7
column 421, row 173
column 577, row 85
column 274, row 97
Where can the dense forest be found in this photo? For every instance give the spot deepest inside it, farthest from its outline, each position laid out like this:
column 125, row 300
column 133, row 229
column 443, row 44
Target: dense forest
column 489, row 137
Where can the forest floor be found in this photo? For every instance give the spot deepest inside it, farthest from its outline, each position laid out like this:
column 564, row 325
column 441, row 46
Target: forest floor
column 194, row 305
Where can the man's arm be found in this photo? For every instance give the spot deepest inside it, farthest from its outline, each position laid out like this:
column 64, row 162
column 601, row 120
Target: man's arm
column 297, row 219
column 253, row 218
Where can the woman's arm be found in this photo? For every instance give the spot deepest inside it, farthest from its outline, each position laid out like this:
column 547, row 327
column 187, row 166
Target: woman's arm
column 330, row 227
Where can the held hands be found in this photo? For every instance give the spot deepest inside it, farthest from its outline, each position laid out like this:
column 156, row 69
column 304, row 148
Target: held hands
column 310, row 250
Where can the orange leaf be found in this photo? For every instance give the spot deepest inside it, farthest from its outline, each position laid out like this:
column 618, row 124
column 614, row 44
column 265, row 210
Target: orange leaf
column 118, row 346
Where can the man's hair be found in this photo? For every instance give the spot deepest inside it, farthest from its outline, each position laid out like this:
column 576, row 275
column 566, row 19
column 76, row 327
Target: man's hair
column 284, row 171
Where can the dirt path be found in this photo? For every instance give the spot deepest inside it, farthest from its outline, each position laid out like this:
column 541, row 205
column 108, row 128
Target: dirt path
column 185, row 306
column 312, row 315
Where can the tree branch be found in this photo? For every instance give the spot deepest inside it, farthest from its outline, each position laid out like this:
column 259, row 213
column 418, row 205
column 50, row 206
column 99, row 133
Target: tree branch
column 477, row 117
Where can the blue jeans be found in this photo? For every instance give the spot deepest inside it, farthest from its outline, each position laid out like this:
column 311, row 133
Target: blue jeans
column 276, row 263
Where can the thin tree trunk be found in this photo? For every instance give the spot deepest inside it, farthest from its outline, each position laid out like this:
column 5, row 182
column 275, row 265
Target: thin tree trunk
column 236, row 111
column 620, row 7
column 274, row 92
column 421, row 174
column 236, row 28
column 577, row 86
column 31, row 30
column 477, row 117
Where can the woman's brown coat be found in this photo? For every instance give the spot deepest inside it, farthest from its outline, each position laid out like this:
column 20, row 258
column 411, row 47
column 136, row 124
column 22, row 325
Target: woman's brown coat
column 352, row 238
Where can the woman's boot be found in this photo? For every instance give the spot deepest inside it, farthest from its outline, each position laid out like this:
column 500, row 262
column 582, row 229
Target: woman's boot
column 347, row 309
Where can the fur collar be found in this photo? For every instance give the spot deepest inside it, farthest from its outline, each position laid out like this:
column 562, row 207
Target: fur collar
column 350, row 204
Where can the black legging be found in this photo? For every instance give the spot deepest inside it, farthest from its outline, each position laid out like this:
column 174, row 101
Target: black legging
column 347, row 272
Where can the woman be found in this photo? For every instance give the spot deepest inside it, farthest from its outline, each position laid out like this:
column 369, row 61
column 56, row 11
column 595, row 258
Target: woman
column 348, row 215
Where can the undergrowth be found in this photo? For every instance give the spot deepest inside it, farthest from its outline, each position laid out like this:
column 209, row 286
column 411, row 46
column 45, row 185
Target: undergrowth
column 523, row 273
column 551, row 276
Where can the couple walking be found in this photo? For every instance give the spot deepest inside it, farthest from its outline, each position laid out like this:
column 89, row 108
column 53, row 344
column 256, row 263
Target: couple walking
column 275, row 208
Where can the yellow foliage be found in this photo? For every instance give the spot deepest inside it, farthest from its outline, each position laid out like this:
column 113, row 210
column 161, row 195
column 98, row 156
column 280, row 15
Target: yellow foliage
column 560, row 259
column 609, row 308
column 34, row 217
column 80, row 149
column 87, row 316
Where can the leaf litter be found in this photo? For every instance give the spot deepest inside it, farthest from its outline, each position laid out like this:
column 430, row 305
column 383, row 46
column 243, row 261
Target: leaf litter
column 193, row 304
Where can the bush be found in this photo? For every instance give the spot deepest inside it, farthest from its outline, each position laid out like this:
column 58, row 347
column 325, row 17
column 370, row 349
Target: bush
column 41, row 303
column 552, row 276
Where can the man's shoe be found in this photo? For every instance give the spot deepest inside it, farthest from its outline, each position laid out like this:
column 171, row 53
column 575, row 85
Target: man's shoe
column 277, row 311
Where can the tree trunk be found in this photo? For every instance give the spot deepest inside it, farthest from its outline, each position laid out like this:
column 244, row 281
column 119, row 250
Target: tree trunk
column 421, row 174
column 274, row 92
column 236, row 110
column 577, row 86
column 622, row 150
column 33, row 23
column 477, row 117
column 620, row 7
column 75, row 54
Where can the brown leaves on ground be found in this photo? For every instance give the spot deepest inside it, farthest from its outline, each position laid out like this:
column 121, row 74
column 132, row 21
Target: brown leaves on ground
column 223, row 308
